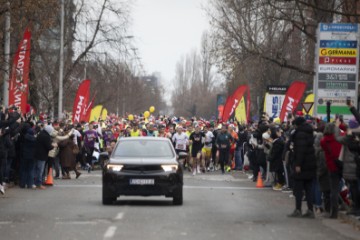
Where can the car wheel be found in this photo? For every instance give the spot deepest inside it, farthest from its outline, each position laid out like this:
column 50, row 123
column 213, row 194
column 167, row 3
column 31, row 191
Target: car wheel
column 178, row 197
column 106, row 199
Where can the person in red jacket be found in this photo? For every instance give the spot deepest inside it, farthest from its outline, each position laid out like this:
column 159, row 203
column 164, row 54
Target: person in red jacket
column 332, row 150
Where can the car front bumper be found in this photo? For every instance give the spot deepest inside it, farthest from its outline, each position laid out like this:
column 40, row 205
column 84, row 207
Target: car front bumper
column 118, row 183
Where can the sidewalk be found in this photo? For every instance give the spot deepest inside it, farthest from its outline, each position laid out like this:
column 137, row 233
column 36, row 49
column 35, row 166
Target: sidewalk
column 351, row 219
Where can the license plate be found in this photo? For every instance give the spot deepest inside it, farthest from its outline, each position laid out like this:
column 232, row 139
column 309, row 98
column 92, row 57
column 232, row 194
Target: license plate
column 142, row 181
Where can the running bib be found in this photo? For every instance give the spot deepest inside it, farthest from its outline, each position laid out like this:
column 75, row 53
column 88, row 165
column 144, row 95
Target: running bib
column 180, row 146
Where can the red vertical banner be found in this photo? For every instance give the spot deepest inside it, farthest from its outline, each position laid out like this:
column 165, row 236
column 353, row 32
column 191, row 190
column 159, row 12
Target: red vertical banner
column 19, row 80
column 87, row 111
column 233, row 101
column 292, row 98
column 81, row 101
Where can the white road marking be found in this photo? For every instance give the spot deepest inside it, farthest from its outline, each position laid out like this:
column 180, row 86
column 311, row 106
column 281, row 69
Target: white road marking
column 119, row 216
column 185, row 186
column 78, row 223
column 5, row 222
column 110, row 232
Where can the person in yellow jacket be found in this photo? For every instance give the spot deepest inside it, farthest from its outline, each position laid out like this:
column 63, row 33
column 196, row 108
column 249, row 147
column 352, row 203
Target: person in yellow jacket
column 135, row 131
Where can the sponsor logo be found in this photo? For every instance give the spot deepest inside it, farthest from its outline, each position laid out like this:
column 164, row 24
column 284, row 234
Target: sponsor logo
column 290, row 105
column 234, row 106
column 337, row 44
column 337, row 60
column 337, row 85
column 337, row 69
column 20, row 88
column 337, row 77
column 338, row 27
column 338, row 52
column 79, row 109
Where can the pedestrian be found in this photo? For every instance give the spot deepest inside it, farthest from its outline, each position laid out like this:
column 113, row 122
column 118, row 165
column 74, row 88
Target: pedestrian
column 68, row 152
column 27, row 161
column 304, row 166
column 349, row 157
column 275, row 157
column 322, row 186
column 42, row 147
column 332, row 149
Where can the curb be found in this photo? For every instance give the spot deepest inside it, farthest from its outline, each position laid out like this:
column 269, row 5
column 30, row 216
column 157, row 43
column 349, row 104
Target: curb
column 351, row 219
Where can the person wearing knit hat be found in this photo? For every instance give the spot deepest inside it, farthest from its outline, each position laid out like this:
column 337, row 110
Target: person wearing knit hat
column 42, row 147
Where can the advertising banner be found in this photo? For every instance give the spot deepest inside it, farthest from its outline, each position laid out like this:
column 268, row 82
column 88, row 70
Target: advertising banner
column 274, row 99
column 19, row 80
column 336, row 79
column 81, row 102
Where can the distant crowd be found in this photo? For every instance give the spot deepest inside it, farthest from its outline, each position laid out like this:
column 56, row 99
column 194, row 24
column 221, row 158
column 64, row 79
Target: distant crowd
column 298, row 156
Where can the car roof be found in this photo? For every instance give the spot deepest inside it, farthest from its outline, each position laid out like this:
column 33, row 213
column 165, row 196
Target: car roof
column 144, row 138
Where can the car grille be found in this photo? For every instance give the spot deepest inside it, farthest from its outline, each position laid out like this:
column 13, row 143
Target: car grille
column 142, row 168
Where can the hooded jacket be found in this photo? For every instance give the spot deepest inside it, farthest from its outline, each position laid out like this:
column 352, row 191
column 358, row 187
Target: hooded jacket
column 304, row 152
column 332, row 150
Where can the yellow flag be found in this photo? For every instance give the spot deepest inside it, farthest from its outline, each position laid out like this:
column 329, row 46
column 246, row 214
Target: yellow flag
column 309, row 98
column 95, row 113
column 240, row 111
column 104, row 113
column 266, row 94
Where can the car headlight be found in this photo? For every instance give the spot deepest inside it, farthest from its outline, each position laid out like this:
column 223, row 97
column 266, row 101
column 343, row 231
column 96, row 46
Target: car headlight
column 169, row 168
column 115, row 168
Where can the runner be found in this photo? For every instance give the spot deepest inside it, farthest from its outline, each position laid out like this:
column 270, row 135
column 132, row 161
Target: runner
column 135, row 132
column 206, row 151
column 91, row 137
column 180, row 140
column 223, row 142
column 196, row 140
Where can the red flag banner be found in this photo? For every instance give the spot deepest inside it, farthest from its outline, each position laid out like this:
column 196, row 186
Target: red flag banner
column 87, row 111
column 233, row 101
column 81, row 101
column 18, row 85
column 292, row 98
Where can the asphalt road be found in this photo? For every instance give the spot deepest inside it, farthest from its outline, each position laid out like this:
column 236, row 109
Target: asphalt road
column 215, row 207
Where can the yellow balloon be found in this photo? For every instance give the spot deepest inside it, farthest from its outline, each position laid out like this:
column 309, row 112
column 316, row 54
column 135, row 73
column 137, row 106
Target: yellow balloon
column 131, row 117
column 152, row 109
column 146, row 114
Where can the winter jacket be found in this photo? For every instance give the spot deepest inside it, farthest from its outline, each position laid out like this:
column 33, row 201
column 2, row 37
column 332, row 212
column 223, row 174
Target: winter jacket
column 42, row 146
column 347, row 156
column 56, row 138
column 275, row 156
column 322, row 172
column 67, row 157
column 28, row 146
column 332, row 150
column 304, row 152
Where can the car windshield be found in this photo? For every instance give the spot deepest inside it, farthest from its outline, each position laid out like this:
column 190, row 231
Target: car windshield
column 144, row 148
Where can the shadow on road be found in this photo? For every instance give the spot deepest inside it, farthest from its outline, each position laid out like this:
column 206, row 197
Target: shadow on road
column 145, row 203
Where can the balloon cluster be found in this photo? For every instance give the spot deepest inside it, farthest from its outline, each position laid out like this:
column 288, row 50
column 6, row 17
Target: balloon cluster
column 146, row 113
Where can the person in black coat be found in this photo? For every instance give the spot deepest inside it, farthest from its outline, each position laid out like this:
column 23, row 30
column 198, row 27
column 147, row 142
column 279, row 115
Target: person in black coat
column 304, row 171
column 27, row 161
column 42, row 147
column 275, row 157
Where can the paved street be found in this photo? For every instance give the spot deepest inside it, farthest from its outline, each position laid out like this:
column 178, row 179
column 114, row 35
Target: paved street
column 215, row 207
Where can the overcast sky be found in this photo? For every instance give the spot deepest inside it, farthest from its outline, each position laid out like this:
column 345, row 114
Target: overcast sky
column 165, row 30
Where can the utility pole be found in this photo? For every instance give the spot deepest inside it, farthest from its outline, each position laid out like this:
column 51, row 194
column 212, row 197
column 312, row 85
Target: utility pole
column 7, row 56
column 61, row 67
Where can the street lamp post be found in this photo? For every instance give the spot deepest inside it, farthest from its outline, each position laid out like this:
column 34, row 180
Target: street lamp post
column 61, row 67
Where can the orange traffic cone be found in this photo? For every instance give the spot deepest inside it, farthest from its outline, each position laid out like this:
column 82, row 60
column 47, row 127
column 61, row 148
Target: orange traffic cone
column 49, row 180
column 259, row 183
